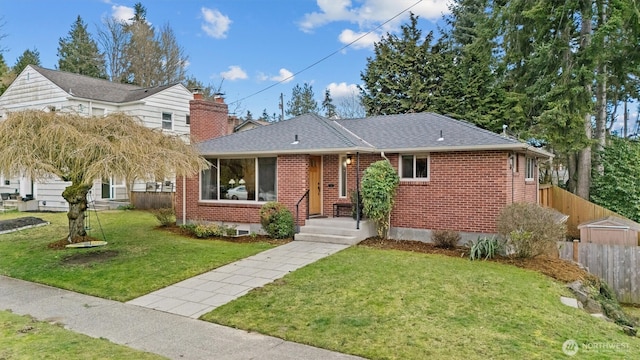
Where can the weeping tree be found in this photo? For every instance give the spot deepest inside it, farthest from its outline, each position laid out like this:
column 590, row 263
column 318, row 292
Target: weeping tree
column 79, row 150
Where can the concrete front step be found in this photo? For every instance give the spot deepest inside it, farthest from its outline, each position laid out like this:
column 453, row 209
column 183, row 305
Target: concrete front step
column 335, row 230
column 324, row 238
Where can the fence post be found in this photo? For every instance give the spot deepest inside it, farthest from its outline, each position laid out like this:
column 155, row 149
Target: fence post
column 576, row 255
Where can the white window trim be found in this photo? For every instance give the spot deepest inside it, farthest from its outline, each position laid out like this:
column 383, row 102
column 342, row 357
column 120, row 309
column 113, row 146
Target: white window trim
column 414, row 178
column 342, row 160
column 228, row 201
column 529, row 162
column 162, row 121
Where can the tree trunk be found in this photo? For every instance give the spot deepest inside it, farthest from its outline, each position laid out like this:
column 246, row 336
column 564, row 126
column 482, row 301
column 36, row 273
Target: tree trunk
column 583, row 180
column 76, row 196
column 572, row 169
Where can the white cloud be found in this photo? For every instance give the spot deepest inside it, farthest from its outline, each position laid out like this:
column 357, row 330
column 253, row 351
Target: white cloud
column 348, row 36
column 342, row 90
column 235, row 73
column 215, row 23
column 284, row 75
column 368, row 14
column 122, row 13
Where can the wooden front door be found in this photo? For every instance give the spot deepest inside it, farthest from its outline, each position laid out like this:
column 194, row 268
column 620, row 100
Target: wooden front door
column 315, row 188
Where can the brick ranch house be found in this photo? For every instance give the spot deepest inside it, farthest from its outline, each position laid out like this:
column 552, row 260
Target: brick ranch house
column 453, row 174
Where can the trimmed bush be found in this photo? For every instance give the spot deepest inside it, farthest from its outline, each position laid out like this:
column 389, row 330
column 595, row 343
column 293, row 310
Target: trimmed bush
column 207, row 230
column 445, row 239
column 530, row 229
column 379, row 184
column 277, row 220
column 166, row 216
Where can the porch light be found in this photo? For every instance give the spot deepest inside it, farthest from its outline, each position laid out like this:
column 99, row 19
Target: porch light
column 348, row 159
column 232, row 182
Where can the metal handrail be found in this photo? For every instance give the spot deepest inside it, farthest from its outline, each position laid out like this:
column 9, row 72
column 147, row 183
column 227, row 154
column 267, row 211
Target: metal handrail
column 306, row 195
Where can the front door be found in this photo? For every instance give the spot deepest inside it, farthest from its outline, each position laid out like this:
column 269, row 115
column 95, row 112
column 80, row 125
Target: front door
column 315, row 188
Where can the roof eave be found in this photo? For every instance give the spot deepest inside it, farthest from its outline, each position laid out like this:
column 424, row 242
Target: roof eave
column 521, row 147
column 78, row 98
column 350, row 150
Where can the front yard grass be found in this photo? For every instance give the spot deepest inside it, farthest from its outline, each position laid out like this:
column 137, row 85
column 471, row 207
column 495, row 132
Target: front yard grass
column 387, row 304
column 137, row 260
column 21, row 337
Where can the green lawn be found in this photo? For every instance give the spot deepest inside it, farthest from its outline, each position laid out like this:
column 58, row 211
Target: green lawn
column 384, row 304
column 21, row 337
column 138, row 259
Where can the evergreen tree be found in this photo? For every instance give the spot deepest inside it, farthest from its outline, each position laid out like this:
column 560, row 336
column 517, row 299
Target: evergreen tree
column 5, row 75
column 249, row 116
column 78, row 53
column 402, row 76
column 142, row 51
column 302, row 101
column 265, row 116
column 327, row 105
column 28, row 57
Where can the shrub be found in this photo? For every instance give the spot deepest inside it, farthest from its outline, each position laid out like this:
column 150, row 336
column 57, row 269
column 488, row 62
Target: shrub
column 166, row 216
column 206, row 230
column 277, row 220
column 446, row 239
column 530, row 229
column 484, row 247
column 379, row 184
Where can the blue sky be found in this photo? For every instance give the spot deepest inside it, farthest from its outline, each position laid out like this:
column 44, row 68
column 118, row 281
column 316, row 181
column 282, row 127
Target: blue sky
column 244, row 45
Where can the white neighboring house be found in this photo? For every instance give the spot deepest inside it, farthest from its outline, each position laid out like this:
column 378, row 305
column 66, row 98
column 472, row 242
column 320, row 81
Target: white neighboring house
column 162, row 107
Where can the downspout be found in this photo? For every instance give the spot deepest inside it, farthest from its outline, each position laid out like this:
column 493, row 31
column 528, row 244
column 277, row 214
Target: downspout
column 513, row 165
column 184, row 200
column 358, row 190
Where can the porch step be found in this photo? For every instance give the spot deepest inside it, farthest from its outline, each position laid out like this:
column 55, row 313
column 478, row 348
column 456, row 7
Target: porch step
column 335, row 230
column 324, row 238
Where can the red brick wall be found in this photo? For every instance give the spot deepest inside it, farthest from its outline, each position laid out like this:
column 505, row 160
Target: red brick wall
column 208, row 119
column 292, row 173
column 466, row 191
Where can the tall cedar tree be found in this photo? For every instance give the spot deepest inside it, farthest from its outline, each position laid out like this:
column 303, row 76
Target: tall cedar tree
column 560, row 57
column 328, row 106
column 78, row 53
column 28, row 57
column 402, row 76
column 302, row 101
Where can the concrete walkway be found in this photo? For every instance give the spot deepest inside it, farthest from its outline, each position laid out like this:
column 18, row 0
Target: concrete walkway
column 171, row 335
column 203, row 293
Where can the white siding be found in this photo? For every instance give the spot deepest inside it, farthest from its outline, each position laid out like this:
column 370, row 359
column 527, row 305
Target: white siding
column 31, row 90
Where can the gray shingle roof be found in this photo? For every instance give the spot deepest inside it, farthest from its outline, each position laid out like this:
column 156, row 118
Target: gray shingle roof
column 97, row 89
column 405, row 132
column 314, row 132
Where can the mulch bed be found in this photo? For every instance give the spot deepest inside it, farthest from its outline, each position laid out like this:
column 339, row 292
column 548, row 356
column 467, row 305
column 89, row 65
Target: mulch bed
column 242, row 239
column 16, row 224
column 556, row 268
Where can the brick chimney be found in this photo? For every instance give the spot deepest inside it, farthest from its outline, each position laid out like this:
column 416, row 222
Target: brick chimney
column 209, row 119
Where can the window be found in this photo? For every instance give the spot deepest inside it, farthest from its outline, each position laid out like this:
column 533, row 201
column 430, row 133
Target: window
column 167, row 121
column 343, row 176
column 188, row 119
column 530, row 170
column 414, row 167
column 249, row 179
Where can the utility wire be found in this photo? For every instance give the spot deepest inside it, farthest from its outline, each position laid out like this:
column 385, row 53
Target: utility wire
column 330, row 55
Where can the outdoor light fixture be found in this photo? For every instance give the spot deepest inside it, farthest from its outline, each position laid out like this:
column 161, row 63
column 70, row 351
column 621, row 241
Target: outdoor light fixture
column 348, row 159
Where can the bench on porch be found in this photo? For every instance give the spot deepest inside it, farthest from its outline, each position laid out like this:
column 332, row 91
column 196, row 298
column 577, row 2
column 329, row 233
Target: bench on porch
column 339, row 208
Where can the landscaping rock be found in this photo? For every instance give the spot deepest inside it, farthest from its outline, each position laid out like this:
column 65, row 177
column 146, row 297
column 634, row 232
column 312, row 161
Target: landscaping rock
column 571, row 302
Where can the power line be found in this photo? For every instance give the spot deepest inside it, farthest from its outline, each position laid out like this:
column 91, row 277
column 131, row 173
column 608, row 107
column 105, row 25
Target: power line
column 330, row 55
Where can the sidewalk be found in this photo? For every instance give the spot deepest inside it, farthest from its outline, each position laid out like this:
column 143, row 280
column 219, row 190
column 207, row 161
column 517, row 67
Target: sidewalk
column 203, row 293
column 170, row 335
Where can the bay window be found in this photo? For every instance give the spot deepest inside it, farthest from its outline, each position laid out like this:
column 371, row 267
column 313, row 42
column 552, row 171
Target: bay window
column 246, row 179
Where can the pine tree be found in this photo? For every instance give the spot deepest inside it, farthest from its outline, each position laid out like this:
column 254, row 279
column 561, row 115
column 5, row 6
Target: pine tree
column 78, row 52
column 402, row 76
column 302, row 101
column 328, row 106
column 5, row 75
column 28, row 57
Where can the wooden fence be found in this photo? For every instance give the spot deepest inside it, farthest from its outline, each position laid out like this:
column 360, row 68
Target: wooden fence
column 152, row 200
column 578, row 209
column 618, row 265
